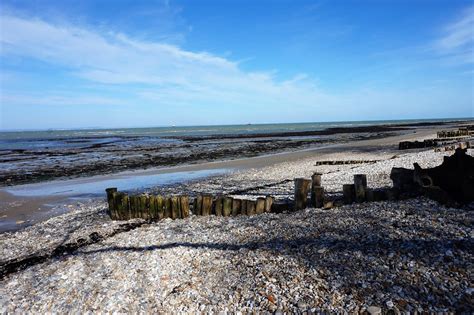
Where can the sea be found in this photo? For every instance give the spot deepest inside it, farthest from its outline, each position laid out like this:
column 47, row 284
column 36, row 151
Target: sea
column 70, row 138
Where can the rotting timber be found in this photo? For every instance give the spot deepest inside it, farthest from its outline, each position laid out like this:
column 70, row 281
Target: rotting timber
column 449, row 183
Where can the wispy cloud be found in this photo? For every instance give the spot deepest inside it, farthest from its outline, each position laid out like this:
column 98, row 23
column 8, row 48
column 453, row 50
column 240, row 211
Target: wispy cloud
column 164, row 72
column 153, row 74
column 457, row 41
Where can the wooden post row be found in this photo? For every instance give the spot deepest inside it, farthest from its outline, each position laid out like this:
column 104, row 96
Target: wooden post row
column 156, row 207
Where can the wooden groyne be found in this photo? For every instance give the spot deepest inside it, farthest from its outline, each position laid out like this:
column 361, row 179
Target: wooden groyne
column 446, row 140
column 405, row 185
column 157, row 207
column 453, row 133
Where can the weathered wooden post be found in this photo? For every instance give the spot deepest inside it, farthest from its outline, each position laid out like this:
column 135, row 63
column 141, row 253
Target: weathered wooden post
column 125, row 207
column 316, row 179
column 160, row 207
column 110, row 201
column 243, row 207
column 236, row 206
column 360, row 186
column 144, row 207
column 218, row 206
column 117, row 196
column 227, row 206
column 167, row 207
column 251, row 207
column 121, row 206
column 302, row 186
column 348, row 192
column 317, row 196
column 184, row 205
column 206, row 205
column 134, row 204
column 153, row 214
column 317, row 191
column 175, row 210
column 260, row 205
column 268, row 203
column 197, row 208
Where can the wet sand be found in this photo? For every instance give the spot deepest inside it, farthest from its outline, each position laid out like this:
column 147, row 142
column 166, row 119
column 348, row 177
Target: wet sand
column 44, row 160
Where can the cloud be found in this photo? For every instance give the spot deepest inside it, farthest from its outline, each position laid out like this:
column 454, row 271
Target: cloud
column 192, row 86
column 457, row 41
column 59, row 100
column 170, row 73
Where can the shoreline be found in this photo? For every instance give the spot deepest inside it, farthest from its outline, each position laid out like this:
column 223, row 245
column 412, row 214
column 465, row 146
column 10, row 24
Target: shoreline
column 115, row 156
column 22, row 210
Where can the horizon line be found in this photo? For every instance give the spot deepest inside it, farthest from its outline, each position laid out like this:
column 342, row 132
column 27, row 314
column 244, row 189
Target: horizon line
column 228, row 125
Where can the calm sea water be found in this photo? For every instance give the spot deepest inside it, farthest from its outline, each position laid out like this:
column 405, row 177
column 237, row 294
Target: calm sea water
column 30, row 140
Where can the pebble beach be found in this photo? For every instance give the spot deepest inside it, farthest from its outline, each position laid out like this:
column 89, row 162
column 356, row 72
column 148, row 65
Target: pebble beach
column 413, row 255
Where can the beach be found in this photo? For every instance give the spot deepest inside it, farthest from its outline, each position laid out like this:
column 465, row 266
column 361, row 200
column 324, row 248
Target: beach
column 410, row 255
column 43, row 174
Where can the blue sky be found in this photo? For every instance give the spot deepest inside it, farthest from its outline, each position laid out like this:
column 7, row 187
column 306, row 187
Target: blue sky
column 76, row 64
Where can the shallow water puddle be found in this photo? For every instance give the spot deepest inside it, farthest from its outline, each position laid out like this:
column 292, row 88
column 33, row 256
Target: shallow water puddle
column 24, row 205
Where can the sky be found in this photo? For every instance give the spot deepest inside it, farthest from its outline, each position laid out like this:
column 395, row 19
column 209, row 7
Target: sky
column 87, row 64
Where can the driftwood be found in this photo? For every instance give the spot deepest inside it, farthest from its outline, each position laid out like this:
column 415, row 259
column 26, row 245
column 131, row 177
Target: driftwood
column 449, row 183
column 454, row 177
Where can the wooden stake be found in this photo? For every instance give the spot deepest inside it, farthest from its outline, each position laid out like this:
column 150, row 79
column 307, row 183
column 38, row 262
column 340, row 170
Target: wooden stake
column 236, row 206
column 243, row 207
column 160, row 207
column 168, row 207
column 118, row 205
column 268, row 203
column 218, row 206
column 360, row 186
column 153, row 210
column 316, row 179
column 227, row 206
column 317, row 196
column 175, row 210
column 251, row 207
column 302, row 186
column 144, row 207
column 260, row 205
column 125, row 207
column 348, row 191
column 197, row 208
column 206, row 205
column 133, row 207
column 110, row 201
column 184, row 205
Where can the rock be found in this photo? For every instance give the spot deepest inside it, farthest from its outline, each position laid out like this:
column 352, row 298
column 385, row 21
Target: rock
column 374, row 310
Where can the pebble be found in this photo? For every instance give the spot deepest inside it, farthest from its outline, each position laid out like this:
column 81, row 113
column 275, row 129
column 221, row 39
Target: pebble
column 331, row 261
column 374, row 310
